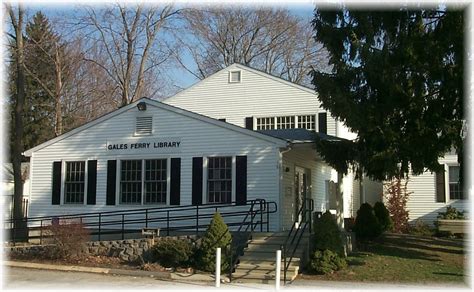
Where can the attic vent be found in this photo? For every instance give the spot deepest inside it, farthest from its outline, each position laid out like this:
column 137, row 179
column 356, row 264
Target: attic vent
column 234, row 77
column 143, row 126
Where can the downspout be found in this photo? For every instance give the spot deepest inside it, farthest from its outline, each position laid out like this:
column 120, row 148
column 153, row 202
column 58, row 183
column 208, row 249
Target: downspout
column 280, row 186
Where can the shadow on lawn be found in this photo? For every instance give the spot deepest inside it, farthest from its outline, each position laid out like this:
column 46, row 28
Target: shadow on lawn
column 425, row 243
column 385, row 247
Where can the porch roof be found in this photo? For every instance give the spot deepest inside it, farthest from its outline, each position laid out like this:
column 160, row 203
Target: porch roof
column 297, row 136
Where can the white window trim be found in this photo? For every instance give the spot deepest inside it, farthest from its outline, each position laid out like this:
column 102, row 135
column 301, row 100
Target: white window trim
column 204, row 175
column 63, row 182
column 235, row 71
column 119, row 178
column 446, row 183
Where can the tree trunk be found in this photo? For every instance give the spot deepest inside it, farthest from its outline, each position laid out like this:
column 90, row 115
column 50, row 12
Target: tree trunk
column 19, row 232
column 58, row 128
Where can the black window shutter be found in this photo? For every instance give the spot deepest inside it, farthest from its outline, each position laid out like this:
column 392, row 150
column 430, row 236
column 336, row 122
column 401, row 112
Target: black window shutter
column 91, row 181
column 175, row 183
column 323, row 123
column 241, row 180
column 440, row 187
column 197, row 181
column 249, row 123
column 111, row 180
column 56, row 183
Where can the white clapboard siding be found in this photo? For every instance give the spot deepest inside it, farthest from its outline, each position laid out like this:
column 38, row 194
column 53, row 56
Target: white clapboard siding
column 257, row 95
column 198, row 138
column 422, row 200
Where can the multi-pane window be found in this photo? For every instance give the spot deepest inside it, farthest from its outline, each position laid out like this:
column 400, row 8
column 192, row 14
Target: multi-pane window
column 307, row 122
column 287, row 122
column 74, row 182
column 266, row 123
column 155, row 181
column 455, row 189
column 219, row 179
column 131, row 182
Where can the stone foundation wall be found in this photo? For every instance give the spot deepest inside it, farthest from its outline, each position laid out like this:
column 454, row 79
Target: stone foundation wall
column 127, row 250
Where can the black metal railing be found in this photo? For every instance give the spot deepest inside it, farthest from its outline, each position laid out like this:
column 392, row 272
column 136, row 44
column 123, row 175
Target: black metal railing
column 175, row 218
column 296, row 233
column 251, row 221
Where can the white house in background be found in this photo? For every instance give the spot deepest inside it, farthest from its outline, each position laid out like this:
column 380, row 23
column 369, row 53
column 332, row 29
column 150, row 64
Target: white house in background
column 431, row 193
column 8, row 188
column 258, row 101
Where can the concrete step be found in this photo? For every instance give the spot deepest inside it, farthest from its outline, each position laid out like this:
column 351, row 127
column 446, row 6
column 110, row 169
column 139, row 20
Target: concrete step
column 261, row 277
column 262, row 260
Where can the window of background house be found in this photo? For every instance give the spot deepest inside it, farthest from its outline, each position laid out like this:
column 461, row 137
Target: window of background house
column 74, row 182
column 219, row 180
column 265, row 123
column 287, row 122
column 307, row 122
column 455, row 189
column 155, row 181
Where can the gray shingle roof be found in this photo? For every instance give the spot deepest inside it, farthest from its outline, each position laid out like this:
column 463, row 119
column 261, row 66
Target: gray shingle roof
column 299, row 135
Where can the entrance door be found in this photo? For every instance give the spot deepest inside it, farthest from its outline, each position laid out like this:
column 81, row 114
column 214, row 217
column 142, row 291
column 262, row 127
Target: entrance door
column 301, row 183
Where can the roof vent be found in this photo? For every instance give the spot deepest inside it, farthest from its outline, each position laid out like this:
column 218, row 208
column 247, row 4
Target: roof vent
column 143, row 126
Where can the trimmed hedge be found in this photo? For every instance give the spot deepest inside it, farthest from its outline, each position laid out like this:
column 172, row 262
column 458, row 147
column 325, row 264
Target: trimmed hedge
column 382, row 214
column 367, row 226
column 173, row 253
column 326, row 261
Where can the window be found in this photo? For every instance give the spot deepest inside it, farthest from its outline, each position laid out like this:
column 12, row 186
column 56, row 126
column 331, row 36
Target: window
column 219, row 180
column 307, row 122
column 74, row 183
column 265, row 123
column 287, row 122
column 455, row 189
column 155, row 181
column 234, row 77
column 143, row 126
column 143, row 181
column 131, row 182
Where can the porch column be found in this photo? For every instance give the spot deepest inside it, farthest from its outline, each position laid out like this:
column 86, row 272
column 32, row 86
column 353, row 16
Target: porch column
column 340, row 201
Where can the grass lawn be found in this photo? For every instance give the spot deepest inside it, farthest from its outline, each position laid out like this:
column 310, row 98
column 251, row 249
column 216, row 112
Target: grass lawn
column 405, row 259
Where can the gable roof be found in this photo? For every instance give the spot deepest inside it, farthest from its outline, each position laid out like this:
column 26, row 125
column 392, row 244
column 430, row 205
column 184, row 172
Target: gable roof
column 164, row 106
column 245, row 67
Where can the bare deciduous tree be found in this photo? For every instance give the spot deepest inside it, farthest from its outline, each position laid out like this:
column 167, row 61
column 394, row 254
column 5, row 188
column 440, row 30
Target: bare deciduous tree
column 17, row 19
column 123, row 42
column 272, row 40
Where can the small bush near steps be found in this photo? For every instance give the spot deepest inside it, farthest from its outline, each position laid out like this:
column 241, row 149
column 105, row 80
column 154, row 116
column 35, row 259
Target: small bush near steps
column 326, row 262
column 327, row 234
column 217, row 235
column 173, row 253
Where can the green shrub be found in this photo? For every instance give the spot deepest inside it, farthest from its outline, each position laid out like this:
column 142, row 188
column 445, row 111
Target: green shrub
column 451, row 214
column 173, row 252
column 421, row 228
column 327, row 234
column 383, row 216
column 367, row 226
column 325, row 262
column 217, row 235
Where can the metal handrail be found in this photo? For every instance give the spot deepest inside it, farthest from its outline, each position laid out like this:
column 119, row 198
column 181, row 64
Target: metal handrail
column 306, row 219
column 149, row 215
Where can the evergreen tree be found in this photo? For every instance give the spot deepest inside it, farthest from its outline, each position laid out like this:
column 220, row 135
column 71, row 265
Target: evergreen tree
column 217, row 235
column 38, row 116
column 396, row 81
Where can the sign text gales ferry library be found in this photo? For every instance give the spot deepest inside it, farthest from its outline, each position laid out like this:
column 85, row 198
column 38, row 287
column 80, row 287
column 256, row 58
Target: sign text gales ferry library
column 145, row 145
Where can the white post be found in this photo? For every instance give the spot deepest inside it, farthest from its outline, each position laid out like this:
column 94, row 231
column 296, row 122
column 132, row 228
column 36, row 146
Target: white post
column 218, row 267
column 277, row 270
